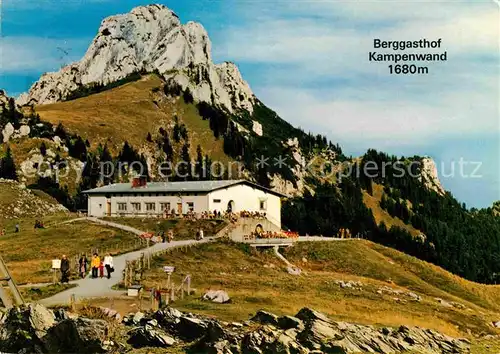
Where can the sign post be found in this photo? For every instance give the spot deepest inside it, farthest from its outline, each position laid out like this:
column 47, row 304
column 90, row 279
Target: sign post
column 169, row 270
column 56, row 265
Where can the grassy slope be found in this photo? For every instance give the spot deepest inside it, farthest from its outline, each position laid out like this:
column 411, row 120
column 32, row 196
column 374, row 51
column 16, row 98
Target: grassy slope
column 12, row 195
column 29, row 253
column 253, row 284
column 380, row 215
column 129, row 113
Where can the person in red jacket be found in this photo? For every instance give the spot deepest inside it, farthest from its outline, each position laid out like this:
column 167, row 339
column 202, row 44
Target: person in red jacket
column 101, row 269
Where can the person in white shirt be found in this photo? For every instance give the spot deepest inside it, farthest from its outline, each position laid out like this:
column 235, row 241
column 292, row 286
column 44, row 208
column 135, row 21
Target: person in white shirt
column 201, row 234
column 108, row 263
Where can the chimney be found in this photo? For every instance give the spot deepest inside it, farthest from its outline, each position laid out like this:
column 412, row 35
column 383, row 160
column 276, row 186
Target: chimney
column 138, row 182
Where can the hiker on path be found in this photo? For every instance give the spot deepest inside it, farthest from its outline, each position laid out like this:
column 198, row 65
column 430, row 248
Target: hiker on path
column 170, row 236
column 108, row 263
column 201, row 233
column 64, row 270
column 82, row 266
column 17, row 228
column 96, row 261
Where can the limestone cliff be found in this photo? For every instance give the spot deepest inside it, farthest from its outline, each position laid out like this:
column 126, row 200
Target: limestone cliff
column 149, row 38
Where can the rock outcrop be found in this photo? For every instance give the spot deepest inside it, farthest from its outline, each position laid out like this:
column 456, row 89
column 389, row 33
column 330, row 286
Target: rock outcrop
column 149, row 39
column 308, row 332
column 23, row 202
column 429, row 176
column 34, row 329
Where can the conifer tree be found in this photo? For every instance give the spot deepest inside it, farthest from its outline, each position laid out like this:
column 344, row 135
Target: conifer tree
column 8, row 166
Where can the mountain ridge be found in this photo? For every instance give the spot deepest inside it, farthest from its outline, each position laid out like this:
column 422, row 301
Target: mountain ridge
column 149, row 38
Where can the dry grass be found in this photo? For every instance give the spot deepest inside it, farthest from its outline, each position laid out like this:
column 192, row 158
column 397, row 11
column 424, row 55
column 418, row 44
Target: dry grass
column 129, row 113
column 36, row 293
column 380, row 215
column 29, row 253
column 257, row 280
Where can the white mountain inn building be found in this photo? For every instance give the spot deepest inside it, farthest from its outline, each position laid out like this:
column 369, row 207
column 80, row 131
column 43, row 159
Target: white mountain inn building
column 141, row 199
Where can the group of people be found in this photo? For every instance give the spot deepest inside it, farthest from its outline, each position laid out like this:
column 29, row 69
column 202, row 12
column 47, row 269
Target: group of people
column 39, row 224
column 211, row 214
column 159, row 237
column 216, row 214
column 97, row 266
column 274, row 234
column 252, row 214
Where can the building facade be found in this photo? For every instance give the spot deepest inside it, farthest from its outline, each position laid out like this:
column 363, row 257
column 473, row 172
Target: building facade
column 139, row 199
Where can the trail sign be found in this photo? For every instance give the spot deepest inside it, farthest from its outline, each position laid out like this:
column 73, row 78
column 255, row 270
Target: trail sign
column 168, row 269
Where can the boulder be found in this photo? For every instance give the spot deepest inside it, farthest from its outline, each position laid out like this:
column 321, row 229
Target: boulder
column 168, row 318
column 24, row 327
column 24, row 130
column 287, row 322
column 149, row 337
column 190, row 328
column 265, row 317
column 217, row 296
column 138, row 317
column 81, row 335
column 7, row 132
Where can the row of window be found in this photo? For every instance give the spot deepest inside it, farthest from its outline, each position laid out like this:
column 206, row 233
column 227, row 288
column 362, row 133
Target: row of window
column 153, row 195
column 136, row 207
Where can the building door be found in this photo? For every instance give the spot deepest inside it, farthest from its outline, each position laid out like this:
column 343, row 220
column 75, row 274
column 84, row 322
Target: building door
column 108, row 208
column 230, row 206
column 179, row 208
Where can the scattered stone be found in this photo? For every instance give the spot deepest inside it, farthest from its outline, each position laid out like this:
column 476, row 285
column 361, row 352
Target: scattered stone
column 357, row 285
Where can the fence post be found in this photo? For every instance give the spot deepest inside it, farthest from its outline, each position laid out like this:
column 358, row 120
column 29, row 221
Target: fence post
column 73, row 302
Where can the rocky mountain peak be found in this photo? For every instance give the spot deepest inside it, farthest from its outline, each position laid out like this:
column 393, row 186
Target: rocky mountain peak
column 149, row 38
column 430, row 175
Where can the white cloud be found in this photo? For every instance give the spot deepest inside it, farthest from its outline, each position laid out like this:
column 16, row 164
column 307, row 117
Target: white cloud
column 376, row 124
column 315, row 72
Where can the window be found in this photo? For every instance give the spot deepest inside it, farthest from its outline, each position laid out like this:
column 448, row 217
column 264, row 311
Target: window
column 262, row 205
column 165, row 207
column 216, row 200
column 136, row 206
column 150, row 206
column 190, row 206
column 122, row 206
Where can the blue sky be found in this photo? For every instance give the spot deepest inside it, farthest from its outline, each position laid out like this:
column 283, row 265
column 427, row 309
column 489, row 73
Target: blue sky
column 308, row 60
